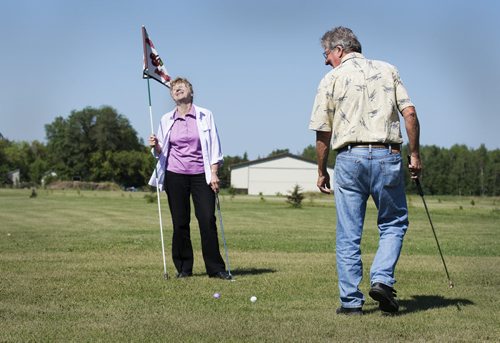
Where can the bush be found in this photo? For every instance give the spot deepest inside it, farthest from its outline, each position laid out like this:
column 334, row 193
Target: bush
column 232, row 192
column 150, row 198
column 296, row 197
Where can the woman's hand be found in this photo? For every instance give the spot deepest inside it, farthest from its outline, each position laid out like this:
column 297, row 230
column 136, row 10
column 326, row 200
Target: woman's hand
column 214, row 182
column 153, row 143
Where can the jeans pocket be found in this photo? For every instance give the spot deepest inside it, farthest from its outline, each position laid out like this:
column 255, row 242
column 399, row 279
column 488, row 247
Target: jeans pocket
column 393, row 173
column 346, row 171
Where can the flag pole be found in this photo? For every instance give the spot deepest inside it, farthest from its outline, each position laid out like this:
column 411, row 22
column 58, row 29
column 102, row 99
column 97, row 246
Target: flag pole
column 165, row 274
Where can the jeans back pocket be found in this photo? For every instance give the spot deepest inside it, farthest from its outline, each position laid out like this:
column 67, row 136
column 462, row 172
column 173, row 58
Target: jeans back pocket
column 346, row 171
column 393, row 173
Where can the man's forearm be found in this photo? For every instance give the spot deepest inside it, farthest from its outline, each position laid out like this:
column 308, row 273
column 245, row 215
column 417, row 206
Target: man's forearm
column 322, row 150
column 412, row 126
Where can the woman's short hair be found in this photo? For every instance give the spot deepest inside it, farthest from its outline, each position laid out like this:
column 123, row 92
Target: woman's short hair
column 182, row 80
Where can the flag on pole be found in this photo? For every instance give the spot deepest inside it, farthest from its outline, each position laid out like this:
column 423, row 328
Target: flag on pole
column 153, row 66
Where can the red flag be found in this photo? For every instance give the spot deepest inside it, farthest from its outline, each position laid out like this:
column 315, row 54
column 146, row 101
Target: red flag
column 153, row 66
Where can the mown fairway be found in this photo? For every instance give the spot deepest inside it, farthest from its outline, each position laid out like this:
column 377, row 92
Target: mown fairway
column 87, row 266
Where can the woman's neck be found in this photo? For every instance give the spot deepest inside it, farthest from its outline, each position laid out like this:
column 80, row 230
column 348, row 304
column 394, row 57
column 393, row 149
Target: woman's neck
column 183, row 108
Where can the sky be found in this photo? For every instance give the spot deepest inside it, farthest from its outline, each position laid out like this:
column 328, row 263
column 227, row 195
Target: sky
column 256, row 64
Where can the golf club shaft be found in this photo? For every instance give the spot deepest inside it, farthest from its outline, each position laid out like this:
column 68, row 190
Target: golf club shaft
column 419, row 186
column 222, row 233
column 421, row 193
column 165, row 273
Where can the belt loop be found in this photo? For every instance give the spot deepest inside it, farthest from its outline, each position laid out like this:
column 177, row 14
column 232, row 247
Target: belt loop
column 370, row 148
column 349, row 147
column 390, row 149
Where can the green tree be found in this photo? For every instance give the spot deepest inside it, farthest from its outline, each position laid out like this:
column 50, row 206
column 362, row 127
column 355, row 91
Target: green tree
column 492, row 173
column 309, row 153
column 95, row 144
column 278, row 152
column 133, row 167
column 29, row 158
column 4, row 161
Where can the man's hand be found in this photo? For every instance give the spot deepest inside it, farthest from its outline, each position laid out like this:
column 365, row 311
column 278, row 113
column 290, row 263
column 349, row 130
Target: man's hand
column 324, row 184
column 322, row 150
column 415, row 166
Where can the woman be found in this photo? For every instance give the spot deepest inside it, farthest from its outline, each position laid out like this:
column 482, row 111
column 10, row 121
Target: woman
column 188, row 150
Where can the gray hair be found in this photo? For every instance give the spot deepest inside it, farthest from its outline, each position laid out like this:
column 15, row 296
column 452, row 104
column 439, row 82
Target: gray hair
column 184, row 81
column 343, row 37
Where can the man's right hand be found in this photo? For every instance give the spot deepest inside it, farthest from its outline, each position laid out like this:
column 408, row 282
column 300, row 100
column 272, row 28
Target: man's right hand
column 415, row 166
column 324, row 184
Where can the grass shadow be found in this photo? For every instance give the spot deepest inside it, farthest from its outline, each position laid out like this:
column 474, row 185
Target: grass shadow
column 252, row 271
column 420, row 303
column 428, row 302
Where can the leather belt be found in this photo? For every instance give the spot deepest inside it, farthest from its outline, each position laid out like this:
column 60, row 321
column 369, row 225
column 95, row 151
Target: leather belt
column 395, row 147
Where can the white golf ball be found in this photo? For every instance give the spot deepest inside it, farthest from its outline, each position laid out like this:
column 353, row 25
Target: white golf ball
column 253, row 298
column 216, row 295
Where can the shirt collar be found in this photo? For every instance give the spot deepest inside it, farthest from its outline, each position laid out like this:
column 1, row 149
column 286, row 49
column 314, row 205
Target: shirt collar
column 350, row 56
column 191, row 113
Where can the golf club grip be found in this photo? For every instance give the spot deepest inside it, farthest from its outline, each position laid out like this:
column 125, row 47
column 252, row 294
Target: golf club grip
column 417, row 180
column 217, row 203
column 419, row 187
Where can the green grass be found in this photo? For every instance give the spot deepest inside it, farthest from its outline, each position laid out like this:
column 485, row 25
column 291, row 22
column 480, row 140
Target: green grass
column 87, row 266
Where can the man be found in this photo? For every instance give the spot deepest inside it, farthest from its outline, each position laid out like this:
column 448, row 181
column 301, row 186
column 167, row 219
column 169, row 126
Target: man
column 356, row 111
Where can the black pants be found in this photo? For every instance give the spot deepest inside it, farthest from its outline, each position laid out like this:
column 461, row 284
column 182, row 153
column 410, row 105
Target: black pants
column 179, row 188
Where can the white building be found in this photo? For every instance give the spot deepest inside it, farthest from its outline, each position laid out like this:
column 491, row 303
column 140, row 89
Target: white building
column 276, row 174
column 14, row 176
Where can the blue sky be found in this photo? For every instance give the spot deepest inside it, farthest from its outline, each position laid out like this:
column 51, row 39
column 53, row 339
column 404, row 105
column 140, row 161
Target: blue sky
column 255, row 64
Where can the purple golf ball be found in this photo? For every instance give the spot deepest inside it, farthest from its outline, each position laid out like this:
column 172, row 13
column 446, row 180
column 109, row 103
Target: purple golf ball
column 216, row 295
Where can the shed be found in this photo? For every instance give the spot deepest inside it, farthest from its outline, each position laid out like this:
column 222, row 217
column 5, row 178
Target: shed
column 276, row 174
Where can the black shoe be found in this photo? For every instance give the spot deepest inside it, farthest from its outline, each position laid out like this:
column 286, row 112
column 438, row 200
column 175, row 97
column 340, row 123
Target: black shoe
column 385, row 296
column 349, row 311
column 184, row 275
column 221, row 275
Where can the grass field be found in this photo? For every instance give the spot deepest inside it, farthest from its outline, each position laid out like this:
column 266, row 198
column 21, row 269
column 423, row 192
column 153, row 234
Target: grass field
column 87, row 266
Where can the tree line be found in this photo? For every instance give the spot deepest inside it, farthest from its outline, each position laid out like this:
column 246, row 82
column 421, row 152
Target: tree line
column 454, row 171
column 99, row 144
column 94, row 144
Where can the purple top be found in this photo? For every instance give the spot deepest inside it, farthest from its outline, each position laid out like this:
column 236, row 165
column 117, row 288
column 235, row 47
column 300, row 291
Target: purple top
column 185, row 155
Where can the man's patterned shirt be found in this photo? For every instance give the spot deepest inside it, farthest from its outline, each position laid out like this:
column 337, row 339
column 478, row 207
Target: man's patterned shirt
column 358, row 101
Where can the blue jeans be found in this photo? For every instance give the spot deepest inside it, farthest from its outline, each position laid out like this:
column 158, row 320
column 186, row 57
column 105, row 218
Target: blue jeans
column 359, row 173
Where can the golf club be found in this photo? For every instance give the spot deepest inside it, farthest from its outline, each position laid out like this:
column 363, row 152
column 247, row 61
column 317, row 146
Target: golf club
column 222, row 233
column 421, row 193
